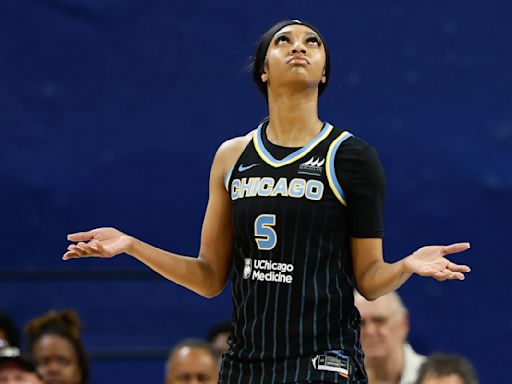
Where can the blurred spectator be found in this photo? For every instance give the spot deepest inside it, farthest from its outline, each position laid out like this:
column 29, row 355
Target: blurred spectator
column 9, row 335
column 385, row 325
column 55, row 345
column 447, row 369
column 218, row 336
column 16, row 369
column 192, row 361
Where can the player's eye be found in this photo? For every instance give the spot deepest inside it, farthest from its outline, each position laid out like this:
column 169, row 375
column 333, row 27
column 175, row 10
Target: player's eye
column 314, row 40
column 281, row 39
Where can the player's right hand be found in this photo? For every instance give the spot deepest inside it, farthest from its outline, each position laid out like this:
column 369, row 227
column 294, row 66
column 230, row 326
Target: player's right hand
column 99, row 242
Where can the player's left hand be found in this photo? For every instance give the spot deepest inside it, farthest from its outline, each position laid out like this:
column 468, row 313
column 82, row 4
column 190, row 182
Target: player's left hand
column 431, row 261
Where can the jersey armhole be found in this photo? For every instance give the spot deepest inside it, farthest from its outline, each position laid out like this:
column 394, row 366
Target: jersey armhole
column 330, row 169
column 228, row 177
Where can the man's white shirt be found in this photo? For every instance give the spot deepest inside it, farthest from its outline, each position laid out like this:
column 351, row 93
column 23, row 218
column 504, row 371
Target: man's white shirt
column 412, row 364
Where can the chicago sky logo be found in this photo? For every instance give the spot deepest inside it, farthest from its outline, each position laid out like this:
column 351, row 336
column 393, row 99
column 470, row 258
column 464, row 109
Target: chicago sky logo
column 313, row 166
column 266, row 270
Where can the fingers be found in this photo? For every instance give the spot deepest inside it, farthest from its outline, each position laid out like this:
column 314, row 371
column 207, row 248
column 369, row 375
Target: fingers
column 457, row 267
column 451, row 272
column 448, row 275
column 455, row 248
column 70, row 255
column 81, row 236
column 82, row 250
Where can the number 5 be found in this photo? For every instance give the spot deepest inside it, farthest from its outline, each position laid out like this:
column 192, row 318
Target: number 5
column 264, row 234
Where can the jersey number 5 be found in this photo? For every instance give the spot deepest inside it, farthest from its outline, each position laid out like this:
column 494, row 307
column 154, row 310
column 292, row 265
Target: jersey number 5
column 264, row 234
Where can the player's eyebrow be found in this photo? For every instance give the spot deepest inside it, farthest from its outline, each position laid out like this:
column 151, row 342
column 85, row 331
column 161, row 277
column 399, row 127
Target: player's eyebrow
column 307, row 33
column 312, row 34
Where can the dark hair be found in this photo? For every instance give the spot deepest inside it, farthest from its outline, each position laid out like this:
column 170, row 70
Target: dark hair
column 439, row 364
column 258, row 60
column 66, row 324
column 10, row 330
column 217, row 329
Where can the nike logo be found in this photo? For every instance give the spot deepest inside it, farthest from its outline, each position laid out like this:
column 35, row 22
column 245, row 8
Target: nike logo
column 242, row 168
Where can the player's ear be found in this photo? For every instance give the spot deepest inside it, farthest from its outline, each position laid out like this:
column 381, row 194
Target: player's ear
column 264, row 76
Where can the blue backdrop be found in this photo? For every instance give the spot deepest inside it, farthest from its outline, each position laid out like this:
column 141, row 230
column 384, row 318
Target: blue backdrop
column 111, row 112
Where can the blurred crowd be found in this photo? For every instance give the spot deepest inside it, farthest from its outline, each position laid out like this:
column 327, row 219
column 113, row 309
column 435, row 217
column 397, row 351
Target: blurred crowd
column 53, row 352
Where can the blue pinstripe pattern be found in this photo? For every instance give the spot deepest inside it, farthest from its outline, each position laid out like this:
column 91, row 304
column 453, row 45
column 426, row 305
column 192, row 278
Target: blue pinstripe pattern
column 264, row 323
column 339, row 288
column 328, row 264
column 315, row 288
column 315, row 312
column 276, row 305
column 294, row 246
column 301, row 328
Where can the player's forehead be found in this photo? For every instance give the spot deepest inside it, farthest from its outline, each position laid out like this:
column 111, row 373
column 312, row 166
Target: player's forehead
column 296, row 29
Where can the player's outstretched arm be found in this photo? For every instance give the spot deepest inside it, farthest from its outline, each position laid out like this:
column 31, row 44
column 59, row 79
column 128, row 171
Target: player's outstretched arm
column 375, row 278
column 206, row 274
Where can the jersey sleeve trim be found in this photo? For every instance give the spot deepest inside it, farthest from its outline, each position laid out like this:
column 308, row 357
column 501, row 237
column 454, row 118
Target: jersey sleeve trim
column 330, row 171
column 227, row 178
column 270, row 160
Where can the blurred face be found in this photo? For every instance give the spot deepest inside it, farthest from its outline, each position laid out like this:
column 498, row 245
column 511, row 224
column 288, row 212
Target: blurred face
column 13, row 373
column 296, row 56
column 220, row 343
column 192, row 366
column 448, row 379
column 384, row 326
column 56, row 360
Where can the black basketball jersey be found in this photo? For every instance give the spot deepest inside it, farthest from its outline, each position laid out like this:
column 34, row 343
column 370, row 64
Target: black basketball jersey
column 293, row 311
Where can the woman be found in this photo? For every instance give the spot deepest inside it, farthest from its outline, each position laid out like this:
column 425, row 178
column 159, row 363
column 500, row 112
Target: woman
column 295, row 208
column 55, row 346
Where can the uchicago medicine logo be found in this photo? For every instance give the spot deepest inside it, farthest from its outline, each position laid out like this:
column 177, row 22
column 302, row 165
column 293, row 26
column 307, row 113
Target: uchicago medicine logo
column 266, row 270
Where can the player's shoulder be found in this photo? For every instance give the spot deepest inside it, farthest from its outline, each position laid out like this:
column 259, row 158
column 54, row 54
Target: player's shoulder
column 236, row 144
column 231, row 150
column 354, row 142
column 355, row 148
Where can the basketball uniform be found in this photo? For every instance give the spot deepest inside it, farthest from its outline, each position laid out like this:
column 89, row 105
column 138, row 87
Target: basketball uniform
column 293, row 309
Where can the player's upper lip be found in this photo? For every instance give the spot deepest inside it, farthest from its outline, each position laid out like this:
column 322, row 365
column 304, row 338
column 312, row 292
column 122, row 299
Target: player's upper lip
column 297, row 57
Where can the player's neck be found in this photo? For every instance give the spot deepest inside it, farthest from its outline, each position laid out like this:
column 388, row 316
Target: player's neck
column 386, row 370
column 293, row 117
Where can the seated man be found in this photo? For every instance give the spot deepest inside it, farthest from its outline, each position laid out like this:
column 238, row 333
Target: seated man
column 389, row 359
column 16, row 369
column 192, row 361
column 447, row 369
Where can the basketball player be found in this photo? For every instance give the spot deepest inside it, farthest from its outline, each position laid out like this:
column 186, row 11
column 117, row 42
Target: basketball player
column 295, row 208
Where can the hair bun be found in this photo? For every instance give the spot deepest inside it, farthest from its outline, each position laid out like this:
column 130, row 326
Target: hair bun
column 66, row 320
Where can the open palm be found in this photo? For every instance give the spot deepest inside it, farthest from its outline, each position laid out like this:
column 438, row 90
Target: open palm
column 431, row 261
column 100, row 242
